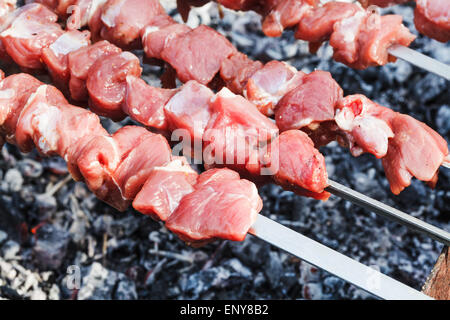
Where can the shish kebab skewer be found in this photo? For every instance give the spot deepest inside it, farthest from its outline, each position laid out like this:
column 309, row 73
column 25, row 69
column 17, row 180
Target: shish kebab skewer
column 376, row 205
column 315, row 23
column 37, row 115
column 116, row 20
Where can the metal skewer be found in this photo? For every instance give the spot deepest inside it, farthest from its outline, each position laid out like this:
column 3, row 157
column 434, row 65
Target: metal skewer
column 313, row 252
column 420, row 60
column 388, row 212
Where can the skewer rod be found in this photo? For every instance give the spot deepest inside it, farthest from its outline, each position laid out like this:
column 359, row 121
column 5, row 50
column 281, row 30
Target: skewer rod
column 388, row 212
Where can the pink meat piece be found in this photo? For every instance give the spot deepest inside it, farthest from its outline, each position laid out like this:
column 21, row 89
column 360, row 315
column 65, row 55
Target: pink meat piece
column 235, row 129
column 233, row 4
column 80, row 63
column 374, row 35
column 33, row 29
column 317, row 24
column 123, row 20
column 432, row 18
column 268, row 85
column 310, row 103
column 106, row 83
column 6, row 8
column 366, row 125
column 189, row 109
column 85, row 13
column 158, row 34
column 236, row 71
column 149, row 151
column 187, row 55
column 294, row 163
column 15, row 91
column 344, row 38
column 285, row 14
column 219, row 209
column 55, row 57
column 145, row 103
column 164, row 189
column 415, row 151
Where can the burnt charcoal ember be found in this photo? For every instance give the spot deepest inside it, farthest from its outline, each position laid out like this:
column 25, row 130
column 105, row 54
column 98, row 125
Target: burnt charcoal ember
column 13, row 180
column 3, row 237
column 30, row 168
column 99, row 283
column 443, row 120
column 50, row 246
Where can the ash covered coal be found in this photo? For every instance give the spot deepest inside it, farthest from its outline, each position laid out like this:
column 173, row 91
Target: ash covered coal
column 55, row 235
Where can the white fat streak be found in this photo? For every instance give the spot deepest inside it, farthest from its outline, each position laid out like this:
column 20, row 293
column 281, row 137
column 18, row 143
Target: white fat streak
column 111, row 13
column 176, row 165
column 46, row 125
column 23, row 28
column 67, row 43
column 7, row 93
column 94, row 5
column 348, row 25
column 150, row 29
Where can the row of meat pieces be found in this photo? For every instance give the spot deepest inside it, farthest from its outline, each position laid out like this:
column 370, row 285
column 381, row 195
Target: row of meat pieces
column 360, row 38
column 431, row 17
column 313, row 103
column 131, row 166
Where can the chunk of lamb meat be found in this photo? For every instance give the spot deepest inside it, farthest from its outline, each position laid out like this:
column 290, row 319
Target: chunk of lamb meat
column 317, row 24
column 164, row 189
column 366, row 125
column 189, row 109
column 197, row 62
column 310, row 103
column 381, row 3
column 432, row 18
column 158, row 34
column 373, row 34
column 106, row 83
column 80, row 62
column 224, row 208
column 234, row 132
column 123, row 20
column 237, row 69
column 33, row 29
column 145, row 103
column 55, row 57
column 149, row 151
column 293, row 162
column 85, row 13
column 282, row 14
column 268, row 85
column 415, row 151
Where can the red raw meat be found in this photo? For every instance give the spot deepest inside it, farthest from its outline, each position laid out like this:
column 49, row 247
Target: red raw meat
column 145, row 104
column 55, row 57
column 81, row 61
column 415, row 151
column 123, row 20
column 187, row 55
column 236, row 71
column 158, row 34
column 310, row 103
column 432, row 18
column 106, row 83
column 164, row 189
column 189, row 109
column 269, row 84
column 33, row 29
column 222, row 208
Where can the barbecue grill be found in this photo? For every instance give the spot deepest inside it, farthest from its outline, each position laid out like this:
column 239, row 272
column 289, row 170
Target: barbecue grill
column 346, row 268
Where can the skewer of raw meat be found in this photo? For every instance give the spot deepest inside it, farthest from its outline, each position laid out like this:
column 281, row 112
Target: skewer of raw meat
column 123, row 22
column 431, row 17
column 111, row 80
column 132, row 164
